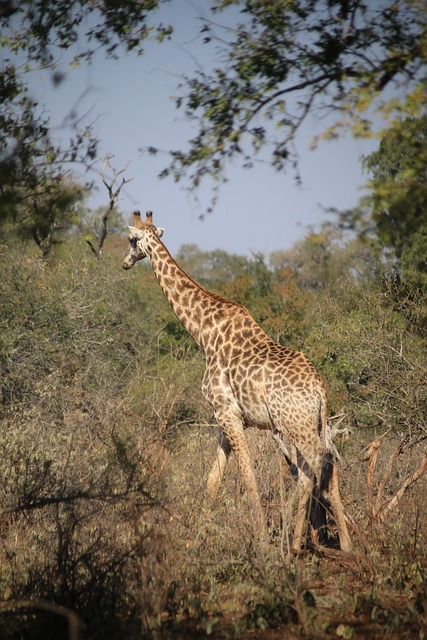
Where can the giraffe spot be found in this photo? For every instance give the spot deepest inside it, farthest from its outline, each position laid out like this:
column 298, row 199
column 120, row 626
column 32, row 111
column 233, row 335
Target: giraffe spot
column 162, row 254
column 164, row 268
column 238, row 341
column 218, row 317
column 208, row 322
column 238, row 376
column 226, row 350
column 253, row 370
column 197, row 315
column 206, row 303
column 235, row 353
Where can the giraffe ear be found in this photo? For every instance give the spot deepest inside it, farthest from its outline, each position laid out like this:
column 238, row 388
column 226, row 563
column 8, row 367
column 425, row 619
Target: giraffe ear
column 134, row 231
column 160, row 231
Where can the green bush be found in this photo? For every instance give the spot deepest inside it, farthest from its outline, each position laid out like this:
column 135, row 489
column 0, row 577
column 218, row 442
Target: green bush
column 80, row 440
column 106, row 443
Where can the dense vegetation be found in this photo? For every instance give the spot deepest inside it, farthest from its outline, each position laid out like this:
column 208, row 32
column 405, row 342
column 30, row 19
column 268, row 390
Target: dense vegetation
column 105, row 439
column 106, row 444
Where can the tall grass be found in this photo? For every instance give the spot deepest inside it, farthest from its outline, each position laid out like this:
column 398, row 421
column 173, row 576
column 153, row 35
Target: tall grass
column 106, row 443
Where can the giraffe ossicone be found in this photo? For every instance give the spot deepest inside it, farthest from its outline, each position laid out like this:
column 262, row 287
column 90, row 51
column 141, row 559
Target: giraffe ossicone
column 250, row 381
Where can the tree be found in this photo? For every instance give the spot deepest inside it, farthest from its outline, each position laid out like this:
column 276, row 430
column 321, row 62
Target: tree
column 211, row 268
column 394, row 211
column 113, row 186
column 258, row 289
column 46, row 213
column 34, row 33
column 398, row 188
column 309, row 259
column 30, row 164
column 286, row 60
column 280, row 62
column 324, row 260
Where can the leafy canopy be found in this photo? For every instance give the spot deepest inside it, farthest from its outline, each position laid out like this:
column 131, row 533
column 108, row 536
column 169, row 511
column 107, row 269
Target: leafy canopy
column 40, row 28
column 398, row 186
column 397, row 201
column 35, row 34
column 286, row 59
column 394, row 211
column 281, row 61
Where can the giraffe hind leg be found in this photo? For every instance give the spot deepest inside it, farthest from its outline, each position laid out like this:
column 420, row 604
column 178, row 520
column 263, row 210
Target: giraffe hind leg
column 241, row 451
column 338, row 511
column 314, row 509
column 234, row 440
column 320, row 506
column 218, row 468
column 304, row 493
column 329, row 482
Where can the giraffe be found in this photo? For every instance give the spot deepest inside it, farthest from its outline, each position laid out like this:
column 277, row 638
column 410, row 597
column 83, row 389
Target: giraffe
column 250, row 381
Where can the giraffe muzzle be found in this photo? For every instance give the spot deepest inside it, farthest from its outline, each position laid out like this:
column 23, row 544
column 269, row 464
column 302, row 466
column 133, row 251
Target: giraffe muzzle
column 128, row 263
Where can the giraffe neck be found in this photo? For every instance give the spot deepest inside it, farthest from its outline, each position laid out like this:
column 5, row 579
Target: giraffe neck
column 191, row 303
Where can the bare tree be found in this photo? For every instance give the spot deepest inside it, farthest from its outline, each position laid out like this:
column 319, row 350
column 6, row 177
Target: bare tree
column 114, row 186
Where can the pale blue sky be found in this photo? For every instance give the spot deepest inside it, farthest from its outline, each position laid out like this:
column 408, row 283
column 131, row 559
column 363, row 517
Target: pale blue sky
column 258, row 210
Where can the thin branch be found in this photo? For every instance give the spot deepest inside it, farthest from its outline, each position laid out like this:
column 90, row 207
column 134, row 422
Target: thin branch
column 80, row 495
column 418, row 473
column 72, row 617
column 371, row 454
column 386, row 476
column 92, row 248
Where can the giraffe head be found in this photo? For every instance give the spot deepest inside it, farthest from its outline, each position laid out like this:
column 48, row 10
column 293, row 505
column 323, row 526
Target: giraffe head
column 138, row 237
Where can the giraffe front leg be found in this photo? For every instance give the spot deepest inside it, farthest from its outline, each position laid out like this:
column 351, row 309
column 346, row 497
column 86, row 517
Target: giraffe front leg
column 218, row 468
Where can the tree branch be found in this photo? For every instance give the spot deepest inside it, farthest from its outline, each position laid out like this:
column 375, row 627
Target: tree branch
column 418, row 473
column 113, row 191
column 73, row 619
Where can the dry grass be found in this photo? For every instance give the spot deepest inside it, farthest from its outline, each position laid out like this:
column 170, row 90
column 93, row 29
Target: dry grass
column 378, row 590
column 106, row 444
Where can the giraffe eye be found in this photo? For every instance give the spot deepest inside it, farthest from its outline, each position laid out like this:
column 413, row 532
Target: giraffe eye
column 133, row 242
